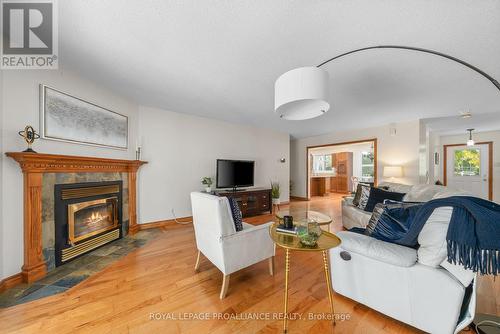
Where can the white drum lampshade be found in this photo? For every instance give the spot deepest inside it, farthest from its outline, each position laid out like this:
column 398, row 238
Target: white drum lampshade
column 393, row 171
column 301, row 93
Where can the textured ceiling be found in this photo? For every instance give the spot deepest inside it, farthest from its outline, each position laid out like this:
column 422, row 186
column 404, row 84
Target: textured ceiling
column 219, row 59
column 454, row 125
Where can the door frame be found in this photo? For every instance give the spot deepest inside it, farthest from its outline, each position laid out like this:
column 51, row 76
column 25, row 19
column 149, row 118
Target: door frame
column 490, row 164
column 375, row 162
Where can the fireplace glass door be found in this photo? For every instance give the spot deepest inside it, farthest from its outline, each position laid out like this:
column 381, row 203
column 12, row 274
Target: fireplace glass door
column 90, row 218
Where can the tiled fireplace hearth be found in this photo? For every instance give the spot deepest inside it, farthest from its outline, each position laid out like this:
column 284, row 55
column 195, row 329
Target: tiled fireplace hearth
column 73, row 205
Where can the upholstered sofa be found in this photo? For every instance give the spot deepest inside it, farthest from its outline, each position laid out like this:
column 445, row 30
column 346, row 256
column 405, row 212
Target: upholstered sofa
column 416, row 286
column 352, row 216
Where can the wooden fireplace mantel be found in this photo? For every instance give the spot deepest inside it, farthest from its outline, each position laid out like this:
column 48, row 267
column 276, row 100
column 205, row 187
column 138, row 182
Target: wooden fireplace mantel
column 33, row 166
column 55, row 163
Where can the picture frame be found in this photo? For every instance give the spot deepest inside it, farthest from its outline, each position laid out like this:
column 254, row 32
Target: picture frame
column 67, row 118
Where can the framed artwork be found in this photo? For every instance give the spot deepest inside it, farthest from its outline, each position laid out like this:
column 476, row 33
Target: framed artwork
column 67, row 118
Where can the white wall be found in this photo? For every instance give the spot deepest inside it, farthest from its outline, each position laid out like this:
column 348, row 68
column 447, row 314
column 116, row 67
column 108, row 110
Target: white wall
column 181, row 149
column 2, row 156
column 434, row 146
column 21, row 107
column 493, row 136
column 401, row 149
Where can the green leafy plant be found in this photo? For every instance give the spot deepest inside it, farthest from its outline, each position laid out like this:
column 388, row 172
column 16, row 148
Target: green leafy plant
column 275, row 189
column 207, row 181
column 467, row 162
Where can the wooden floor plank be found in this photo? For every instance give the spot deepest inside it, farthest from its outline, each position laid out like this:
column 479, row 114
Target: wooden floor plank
column 160, row 278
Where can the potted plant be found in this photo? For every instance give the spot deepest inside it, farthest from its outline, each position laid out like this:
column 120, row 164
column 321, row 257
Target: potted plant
column 275, row 192
column 207, row 181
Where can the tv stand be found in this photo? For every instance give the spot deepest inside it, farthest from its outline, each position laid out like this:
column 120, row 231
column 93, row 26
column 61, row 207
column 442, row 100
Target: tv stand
column 252, row 201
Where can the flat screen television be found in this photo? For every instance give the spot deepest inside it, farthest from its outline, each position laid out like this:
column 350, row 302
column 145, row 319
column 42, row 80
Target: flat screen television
column 234, row 173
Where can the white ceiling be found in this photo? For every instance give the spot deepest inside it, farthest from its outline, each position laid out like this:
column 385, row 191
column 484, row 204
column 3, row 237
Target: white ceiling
column 219, row 59
column 455, row 125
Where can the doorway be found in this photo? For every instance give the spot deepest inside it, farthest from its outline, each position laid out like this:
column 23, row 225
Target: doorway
column 338, row 167
column 469, row 168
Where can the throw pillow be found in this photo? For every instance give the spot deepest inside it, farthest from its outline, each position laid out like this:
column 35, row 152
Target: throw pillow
column 432, row 238
column 378, row 195
column 372, row 223
column 379, row 210
column 391, row 221
column 359, row 190
column 363, row 199
column 236, row 213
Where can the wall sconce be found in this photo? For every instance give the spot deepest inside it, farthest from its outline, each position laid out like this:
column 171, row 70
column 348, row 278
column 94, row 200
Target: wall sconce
column 282, row 160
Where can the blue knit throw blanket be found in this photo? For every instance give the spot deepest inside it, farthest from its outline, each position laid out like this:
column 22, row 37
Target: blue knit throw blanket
column 473, row 236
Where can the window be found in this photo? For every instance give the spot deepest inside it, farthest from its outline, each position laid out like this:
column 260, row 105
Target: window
column 467, row 162
column 322, row 163
column 367, row 164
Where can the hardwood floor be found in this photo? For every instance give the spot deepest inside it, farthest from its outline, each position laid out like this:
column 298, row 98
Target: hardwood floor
column 143, row 292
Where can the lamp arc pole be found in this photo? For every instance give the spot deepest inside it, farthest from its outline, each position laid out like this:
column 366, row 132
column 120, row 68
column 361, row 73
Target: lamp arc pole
column 302, row 93
column 436, row 53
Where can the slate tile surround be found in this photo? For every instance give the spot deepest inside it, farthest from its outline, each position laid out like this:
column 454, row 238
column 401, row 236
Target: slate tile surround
column 48, row 222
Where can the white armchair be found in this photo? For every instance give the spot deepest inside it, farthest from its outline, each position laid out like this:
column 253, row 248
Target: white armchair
column 217, row 239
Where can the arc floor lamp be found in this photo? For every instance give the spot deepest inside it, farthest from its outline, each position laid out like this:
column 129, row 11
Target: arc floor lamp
column 302, row 93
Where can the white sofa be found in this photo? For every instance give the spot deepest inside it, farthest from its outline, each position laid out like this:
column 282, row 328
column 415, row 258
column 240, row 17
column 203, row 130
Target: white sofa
column 352, row 216
column 218, row 241
column 418, row 287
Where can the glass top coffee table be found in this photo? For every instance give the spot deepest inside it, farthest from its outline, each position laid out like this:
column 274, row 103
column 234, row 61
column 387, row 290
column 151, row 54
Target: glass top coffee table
column 305, row 215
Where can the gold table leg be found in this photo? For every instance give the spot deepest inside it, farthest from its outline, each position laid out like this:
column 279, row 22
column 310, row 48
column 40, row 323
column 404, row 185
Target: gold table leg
column 287, row 269
column 328, row 282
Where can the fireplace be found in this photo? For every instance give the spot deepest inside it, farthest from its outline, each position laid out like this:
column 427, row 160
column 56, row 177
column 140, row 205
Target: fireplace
column 87, row 216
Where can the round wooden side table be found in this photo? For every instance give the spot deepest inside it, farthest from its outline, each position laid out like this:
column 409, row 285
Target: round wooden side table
column 290, row 243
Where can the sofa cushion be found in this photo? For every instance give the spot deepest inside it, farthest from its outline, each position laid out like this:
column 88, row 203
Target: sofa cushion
column 448, row 192
column 432, row 239
column 422, row 192
column 378, row 195
column 376, row 249
column 397, row 187
column 356, row 216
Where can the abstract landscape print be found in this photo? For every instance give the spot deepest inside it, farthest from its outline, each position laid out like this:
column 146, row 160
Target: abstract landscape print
column 68, row 118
